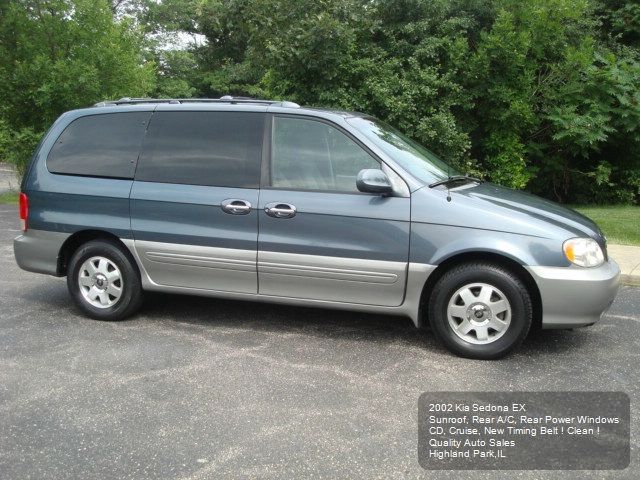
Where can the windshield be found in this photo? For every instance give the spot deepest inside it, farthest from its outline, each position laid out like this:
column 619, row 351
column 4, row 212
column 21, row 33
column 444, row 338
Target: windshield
column 413, row 157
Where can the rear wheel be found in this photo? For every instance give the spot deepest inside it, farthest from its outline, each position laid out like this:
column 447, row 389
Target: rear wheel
column 103, row 281
column 480, row 310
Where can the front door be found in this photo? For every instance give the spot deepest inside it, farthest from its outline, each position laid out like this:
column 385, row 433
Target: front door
column 194, row 199
column 319, row 238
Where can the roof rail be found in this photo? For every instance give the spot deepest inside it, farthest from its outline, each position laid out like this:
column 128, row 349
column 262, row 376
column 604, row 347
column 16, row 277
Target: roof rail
column 225, row 99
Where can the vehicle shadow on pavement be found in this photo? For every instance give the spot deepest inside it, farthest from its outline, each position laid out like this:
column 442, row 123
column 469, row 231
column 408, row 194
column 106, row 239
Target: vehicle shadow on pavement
column 275, row 318
column 329, row 323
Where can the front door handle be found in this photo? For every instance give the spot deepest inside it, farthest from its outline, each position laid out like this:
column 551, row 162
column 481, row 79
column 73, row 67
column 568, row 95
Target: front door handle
column 235, row 206
column 280, row 210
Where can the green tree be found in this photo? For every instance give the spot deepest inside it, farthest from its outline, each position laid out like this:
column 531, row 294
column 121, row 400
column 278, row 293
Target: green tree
column 559, row 106
column 56, row 55
column 540, row 94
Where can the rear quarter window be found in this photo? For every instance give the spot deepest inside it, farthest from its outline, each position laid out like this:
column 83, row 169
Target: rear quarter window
column 104, row 145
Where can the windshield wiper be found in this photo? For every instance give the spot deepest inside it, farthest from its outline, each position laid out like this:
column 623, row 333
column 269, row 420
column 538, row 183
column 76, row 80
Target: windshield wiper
column 455, row 178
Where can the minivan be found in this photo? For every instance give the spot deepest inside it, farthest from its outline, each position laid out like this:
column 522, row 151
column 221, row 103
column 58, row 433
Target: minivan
column 265, row 200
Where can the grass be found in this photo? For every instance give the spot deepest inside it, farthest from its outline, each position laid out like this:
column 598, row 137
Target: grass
column 620, row 223
column 8, row 197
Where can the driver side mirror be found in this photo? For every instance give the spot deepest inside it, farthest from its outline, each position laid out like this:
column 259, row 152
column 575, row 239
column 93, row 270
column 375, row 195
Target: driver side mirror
column 371, row 180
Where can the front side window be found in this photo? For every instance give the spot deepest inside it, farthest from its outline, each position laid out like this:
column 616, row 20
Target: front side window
column 220, row 149
column 105, row 145
column 311, row 155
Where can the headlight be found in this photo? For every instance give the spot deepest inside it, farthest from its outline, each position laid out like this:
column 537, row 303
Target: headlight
column 584, row 252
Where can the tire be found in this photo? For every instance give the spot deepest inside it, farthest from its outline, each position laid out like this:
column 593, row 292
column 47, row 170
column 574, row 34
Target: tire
column 104, row 281
column 480, row 310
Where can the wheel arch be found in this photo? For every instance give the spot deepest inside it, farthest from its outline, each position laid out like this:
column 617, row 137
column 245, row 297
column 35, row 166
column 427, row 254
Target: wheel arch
column 79, row 238
column 473, row 256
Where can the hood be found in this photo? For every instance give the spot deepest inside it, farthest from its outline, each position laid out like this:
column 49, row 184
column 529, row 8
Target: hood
column 491, row 207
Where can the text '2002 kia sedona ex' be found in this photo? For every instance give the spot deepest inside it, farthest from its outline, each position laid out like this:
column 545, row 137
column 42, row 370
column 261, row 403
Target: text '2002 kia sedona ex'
column 265, row 200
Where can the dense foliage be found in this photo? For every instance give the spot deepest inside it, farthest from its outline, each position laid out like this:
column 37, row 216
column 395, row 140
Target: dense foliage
column 56, row 55
column 543, row 94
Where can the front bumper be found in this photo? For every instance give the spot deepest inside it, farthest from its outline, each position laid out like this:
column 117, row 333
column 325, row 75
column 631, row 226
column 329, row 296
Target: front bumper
column 575, row 296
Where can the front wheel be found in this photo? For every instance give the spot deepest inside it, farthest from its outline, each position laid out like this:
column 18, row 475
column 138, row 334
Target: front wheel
column 103, row 281
column 480, row 310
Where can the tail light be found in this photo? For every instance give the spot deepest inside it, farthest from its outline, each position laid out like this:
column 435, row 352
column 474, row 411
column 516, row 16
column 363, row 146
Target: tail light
column 24, row 211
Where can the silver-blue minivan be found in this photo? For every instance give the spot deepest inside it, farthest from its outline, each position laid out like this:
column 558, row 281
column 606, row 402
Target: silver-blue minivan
column 265, row 200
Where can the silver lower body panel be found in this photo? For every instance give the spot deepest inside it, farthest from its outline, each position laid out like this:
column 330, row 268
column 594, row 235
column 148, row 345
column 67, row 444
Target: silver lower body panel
column 571, row 296
column 575, row 296
column 409, row 305
column 38, row 250
column 338, row 279
column 193, row 266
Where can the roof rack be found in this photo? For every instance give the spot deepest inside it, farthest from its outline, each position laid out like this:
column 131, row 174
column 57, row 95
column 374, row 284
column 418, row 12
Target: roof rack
column 225, row 99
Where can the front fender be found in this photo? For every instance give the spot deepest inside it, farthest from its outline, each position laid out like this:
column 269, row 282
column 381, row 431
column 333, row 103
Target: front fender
column 433, row 244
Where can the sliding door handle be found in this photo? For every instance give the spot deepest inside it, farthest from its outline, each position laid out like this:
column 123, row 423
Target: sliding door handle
column 235, row 206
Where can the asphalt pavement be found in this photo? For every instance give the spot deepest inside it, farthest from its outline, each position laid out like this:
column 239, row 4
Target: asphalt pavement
column 196, row 388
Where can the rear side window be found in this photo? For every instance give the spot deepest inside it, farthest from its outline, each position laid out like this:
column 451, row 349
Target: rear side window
column 105, row 145
column 203, row 148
